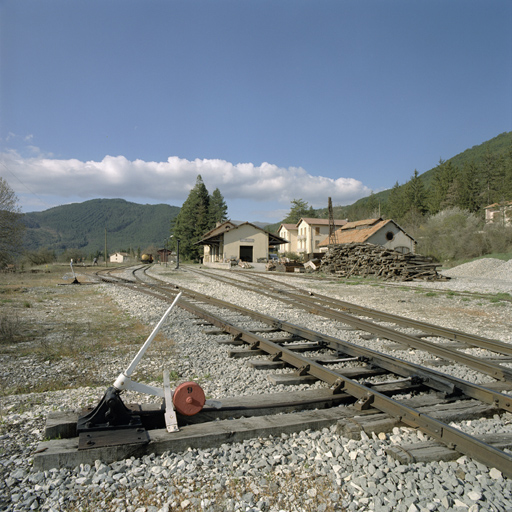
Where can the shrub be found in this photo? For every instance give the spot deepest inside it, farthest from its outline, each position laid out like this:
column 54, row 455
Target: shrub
column 9, row 328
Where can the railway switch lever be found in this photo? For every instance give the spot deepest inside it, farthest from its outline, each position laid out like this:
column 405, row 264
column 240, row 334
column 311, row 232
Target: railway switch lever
column 112, row 414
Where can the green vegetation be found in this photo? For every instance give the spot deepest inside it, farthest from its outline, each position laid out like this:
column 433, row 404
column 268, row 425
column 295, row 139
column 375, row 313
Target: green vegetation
column 471, row 180
column 198, row 215
column 443, row 209
column 82, row 226
column 11, row 226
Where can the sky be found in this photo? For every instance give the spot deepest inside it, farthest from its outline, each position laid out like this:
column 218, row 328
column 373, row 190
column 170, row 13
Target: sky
column 267, row 100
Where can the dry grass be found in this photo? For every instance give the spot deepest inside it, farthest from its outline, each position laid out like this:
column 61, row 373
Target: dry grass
column 47, row 321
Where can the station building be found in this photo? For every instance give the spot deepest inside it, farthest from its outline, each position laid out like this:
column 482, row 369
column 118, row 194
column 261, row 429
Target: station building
column 246, row 242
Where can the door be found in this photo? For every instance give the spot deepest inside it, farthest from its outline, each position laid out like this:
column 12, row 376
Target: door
column 246, row 253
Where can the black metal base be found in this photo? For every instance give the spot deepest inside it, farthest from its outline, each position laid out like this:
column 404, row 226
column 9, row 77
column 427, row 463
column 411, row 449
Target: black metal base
column 112, row 414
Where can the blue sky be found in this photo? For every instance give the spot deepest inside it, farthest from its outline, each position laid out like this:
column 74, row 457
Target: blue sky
column 269, row 101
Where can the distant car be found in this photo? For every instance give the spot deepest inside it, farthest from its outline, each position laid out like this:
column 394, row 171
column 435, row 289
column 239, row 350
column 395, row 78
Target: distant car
column 273, row 257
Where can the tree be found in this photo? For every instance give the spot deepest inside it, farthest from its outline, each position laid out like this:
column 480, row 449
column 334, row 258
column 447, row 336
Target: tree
column 415, row 196
column 298, row 210
column 218, row 208
column 444, row 175
column 11, row 225
column 467, row 198
column 396, row 207
column 372, row 206
column 192, row 221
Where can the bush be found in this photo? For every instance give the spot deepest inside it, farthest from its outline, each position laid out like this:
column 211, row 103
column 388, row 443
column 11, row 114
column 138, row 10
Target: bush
column 498, row 238
column 40, row 257
column 452, row 234
column 9, row 328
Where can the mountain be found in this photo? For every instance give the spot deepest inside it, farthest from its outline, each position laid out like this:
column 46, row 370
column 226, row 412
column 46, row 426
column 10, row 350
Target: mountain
column 499, row 147
column 82, row 226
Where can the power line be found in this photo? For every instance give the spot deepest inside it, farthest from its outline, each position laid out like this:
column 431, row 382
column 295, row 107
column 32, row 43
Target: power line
column 23, row 184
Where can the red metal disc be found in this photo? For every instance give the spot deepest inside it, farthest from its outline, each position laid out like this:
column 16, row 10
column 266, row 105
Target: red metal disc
column 188, row 398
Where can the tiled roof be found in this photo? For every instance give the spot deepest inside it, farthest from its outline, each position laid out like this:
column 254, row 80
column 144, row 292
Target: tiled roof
column 360, row 223
column 495, row 205
column 322, row 222
column 346, row 236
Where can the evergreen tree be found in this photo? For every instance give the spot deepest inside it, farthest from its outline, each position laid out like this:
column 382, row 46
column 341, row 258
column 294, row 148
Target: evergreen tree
column 298, row 210
column 442, row 181
column 372, row 207
column 487, row 178
column 507, row 180
column 396, row 207
column 192, row 222
column 218, row 208
column 467, row 198
column 415, row 196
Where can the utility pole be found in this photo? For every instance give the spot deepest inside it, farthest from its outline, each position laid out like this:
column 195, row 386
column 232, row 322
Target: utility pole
column 332, row 226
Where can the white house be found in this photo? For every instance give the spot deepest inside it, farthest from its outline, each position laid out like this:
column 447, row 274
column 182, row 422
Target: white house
column 288, row 232
column 499, row 213
column 311, row 232
column 119, row 257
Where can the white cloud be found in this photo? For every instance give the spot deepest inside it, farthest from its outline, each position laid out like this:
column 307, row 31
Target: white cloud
column 171, row 181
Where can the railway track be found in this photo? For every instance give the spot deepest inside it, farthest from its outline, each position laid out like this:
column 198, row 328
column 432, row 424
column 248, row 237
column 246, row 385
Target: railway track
column 370, row 380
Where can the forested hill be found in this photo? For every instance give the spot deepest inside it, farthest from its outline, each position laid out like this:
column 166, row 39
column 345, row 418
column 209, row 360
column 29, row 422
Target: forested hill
column 82, row 226
column 471, row 180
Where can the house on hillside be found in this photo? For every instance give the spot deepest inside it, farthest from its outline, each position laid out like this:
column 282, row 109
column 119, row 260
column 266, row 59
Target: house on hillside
column 288, row 232
column 386, row 233
column 499, row 213
column 119, row 257
column 246, row 242
column 311, row 232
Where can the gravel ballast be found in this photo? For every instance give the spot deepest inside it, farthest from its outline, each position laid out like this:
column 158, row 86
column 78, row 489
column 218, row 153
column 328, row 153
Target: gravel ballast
column 306, row 471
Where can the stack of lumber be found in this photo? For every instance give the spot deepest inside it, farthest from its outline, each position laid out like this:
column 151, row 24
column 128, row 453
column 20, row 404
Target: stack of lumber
column 362, row 259
column 287, row 266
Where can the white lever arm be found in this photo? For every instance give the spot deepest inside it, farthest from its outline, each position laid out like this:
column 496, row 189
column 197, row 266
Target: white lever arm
column 123, row 381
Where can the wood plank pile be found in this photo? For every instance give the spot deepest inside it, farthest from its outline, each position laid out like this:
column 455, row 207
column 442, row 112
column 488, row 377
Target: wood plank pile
column 363, row 259
column 284, row 266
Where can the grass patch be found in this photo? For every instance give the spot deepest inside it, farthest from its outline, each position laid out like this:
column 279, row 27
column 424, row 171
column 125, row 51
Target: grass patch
column 75, row 327
column 501, row 296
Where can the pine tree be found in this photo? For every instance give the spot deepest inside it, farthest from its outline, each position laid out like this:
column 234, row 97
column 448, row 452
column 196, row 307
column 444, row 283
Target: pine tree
column 192, row 222
column 218, row 208
column 299, row 210
column 467, row 197
column 396, row 207
column 372, row 206
column 442, row 181
column 415, row 196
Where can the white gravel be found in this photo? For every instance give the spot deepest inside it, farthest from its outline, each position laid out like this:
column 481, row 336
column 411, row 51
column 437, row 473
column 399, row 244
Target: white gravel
column 308, row 471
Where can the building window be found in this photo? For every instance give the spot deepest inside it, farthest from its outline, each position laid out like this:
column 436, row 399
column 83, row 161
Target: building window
column 390, row 235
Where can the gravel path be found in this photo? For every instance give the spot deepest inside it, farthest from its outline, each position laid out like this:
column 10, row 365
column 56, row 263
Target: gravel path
column 308, row 471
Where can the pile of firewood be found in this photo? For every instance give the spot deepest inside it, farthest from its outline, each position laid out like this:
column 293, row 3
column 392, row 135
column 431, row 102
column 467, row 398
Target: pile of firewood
column 360, row 259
